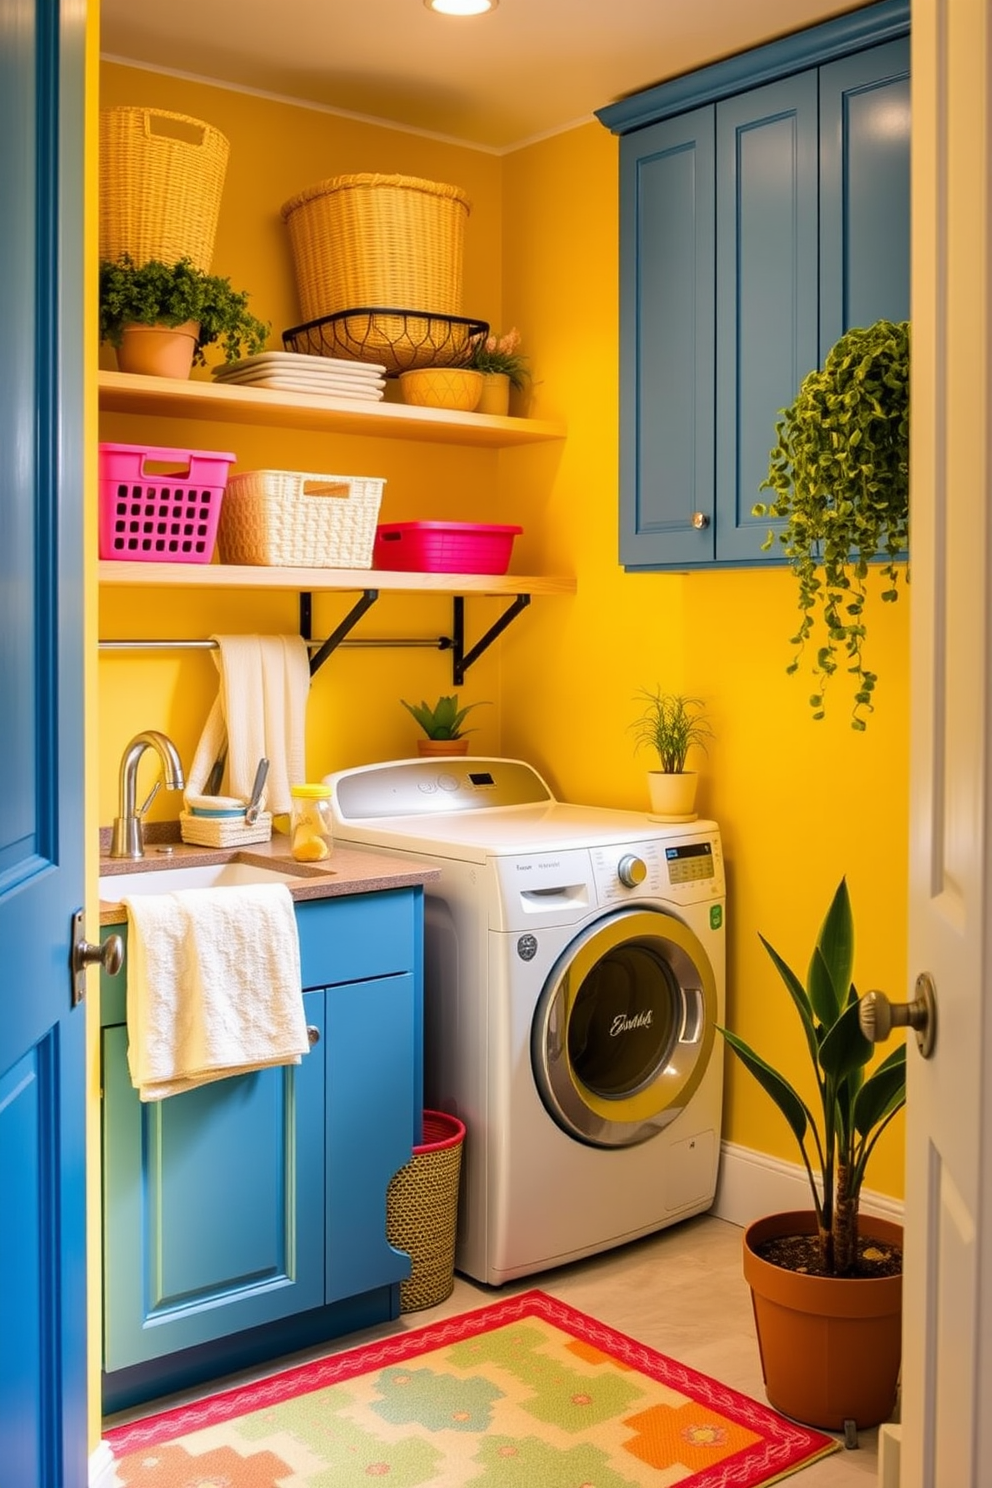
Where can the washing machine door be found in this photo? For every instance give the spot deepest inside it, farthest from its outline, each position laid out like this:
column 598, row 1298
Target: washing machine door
column 624, row 1028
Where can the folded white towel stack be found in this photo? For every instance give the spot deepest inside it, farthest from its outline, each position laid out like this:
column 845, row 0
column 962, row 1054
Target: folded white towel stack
column 213, row 986
column 259, row 713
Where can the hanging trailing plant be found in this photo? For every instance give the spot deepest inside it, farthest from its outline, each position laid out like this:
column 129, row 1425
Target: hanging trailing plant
column 840, row 474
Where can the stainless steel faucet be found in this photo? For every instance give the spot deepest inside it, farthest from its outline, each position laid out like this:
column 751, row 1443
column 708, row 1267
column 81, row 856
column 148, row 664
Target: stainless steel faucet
column 128, row 840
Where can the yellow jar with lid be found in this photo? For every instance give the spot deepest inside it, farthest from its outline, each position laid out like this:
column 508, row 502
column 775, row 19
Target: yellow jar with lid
column 311, row 836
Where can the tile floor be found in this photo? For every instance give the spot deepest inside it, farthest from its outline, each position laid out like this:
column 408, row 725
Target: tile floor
column 680, row 1291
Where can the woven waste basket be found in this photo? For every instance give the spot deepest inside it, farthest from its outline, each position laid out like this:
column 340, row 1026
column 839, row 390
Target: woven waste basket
column 161, row 178
column 422, row 1212
column 364, row 241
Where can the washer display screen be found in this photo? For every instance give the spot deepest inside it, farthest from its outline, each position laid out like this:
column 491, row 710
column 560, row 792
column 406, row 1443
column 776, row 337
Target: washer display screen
column 689, row 862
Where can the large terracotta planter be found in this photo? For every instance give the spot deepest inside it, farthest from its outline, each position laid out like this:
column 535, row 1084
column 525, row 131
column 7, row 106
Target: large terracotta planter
column 158, row 351
column 830, row 1346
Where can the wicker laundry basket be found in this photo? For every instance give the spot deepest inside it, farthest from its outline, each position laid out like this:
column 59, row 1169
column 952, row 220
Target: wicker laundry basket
column 422, row 1212
column 161, row 178
column 291, row 519
column 365, row 241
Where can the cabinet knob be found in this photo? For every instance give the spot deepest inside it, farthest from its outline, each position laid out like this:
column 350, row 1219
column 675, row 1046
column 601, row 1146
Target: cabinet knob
column 699, row 520
column 313, row 1034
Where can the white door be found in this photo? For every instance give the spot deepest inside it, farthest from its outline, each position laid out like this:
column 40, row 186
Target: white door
column 946, row 1435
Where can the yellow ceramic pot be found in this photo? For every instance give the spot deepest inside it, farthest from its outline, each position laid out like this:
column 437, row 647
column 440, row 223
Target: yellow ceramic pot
column 456, row 388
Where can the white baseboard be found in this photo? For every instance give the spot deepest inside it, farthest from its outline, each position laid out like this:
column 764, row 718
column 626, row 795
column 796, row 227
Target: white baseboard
column 752, row 1184
column 101, row 1473
column 889, row 1454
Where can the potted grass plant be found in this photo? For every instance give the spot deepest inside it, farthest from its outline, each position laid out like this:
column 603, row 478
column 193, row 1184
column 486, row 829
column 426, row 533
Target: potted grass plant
column 839, row 472
column 827, row 1282
column 145, row 308
column 442, row 725
column 670, row 725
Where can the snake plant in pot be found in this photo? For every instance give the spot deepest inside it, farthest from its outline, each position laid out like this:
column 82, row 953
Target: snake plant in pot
column 839, row 472
column 830, row 1264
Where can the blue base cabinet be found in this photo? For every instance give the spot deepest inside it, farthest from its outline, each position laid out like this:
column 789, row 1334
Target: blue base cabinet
column 247, row 1217
column 764, row 210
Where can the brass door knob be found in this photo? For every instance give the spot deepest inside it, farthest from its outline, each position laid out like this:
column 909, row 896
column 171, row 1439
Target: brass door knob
column 878, row 1016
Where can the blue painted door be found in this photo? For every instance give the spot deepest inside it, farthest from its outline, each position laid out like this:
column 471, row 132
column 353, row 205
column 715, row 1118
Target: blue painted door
column 766, row 289
column 666, row 341
column 42, row 1046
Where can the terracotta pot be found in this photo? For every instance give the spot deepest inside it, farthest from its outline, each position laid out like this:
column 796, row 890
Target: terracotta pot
column 495, row 395
column 159, row 351
column 442, row 746
column 673, row 797
column 830, row 1346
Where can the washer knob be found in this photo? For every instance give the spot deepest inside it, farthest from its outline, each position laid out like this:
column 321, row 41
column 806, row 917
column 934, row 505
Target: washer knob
column 631, row 870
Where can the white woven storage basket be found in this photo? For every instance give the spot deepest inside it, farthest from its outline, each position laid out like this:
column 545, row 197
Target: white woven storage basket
column 292, row 519
column 206, row 831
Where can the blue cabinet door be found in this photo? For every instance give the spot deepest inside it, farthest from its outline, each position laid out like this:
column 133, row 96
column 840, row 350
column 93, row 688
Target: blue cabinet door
column 666, row 342
column 369, row 1070
column 212, row 1204
column 766, row 289
column 864, row 190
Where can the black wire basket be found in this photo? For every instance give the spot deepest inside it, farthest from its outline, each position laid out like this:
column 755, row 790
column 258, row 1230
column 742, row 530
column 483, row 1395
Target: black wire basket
column 399, row 340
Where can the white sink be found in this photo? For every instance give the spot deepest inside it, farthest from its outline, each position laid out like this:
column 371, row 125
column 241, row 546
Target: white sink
column 114, row 886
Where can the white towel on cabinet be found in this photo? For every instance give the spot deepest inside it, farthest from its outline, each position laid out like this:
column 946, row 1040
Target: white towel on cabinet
column 213, row 986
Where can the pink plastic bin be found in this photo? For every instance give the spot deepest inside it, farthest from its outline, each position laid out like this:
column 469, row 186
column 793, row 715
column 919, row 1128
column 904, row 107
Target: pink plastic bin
column 160, row 505
column 443, row 547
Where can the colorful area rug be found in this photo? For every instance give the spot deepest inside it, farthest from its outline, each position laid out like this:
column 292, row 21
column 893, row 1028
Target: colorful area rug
column 526, row 1393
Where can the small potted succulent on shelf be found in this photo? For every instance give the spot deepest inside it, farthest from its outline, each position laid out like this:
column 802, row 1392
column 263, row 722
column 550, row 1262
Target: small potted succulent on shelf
column 502, row 365
column 442, row 725
column 145, row 305
column 670, row 725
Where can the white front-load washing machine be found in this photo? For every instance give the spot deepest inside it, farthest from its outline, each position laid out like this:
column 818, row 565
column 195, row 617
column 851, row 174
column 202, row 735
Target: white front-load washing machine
column 573, row 980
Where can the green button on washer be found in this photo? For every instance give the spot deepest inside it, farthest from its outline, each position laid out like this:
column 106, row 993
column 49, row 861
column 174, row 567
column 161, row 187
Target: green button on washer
column 716, row 916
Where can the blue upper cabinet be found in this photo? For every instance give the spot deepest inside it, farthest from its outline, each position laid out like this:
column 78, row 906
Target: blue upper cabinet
column 666, row 338
column 755, row 227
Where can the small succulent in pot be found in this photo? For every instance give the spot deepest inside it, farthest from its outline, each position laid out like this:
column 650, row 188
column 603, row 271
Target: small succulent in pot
column 444, row 719
column 156, row 293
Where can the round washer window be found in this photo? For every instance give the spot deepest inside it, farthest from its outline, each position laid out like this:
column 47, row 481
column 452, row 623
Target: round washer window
column 625, row 1021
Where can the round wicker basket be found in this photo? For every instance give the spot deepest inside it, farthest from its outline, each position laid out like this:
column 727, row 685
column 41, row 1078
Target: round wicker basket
column 367, row 239
column 422, row 1212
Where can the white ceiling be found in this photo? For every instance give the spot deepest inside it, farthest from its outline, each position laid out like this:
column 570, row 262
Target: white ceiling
column 529, row 68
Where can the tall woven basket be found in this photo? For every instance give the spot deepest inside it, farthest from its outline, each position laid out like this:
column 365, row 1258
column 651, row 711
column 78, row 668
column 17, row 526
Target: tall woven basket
column 365, row 241
column 422, row 1212
column 161, row 178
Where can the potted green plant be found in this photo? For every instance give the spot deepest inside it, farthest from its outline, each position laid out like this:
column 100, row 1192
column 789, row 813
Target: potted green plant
column 827, row 1282
column 670, row 725
column 840, row 473
column 442, row 725
column 502, row 365
column 202, row 308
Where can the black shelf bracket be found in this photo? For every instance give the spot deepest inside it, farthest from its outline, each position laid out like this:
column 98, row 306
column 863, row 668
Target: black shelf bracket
column 347, row 625
column 462, row 659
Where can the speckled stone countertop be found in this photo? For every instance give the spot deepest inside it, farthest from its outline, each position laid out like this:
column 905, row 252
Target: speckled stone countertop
column 348, row 870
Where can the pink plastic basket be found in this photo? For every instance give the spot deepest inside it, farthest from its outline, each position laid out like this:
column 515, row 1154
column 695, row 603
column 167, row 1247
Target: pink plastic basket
column 160, row 505
column 443, row 547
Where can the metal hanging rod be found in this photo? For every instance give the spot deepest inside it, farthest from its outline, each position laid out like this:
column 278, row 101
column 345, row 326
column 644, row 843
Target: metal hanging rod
column 437, row 643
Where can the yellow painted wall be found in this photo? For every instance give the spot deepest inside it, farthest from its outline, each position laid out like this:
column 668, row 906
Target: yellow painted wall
column 799, row 803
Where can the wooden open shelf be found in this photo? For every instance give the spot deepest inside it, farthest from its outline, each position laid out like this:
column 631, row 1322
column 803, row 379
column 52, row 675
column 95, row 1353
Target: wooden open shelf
column 122, row 392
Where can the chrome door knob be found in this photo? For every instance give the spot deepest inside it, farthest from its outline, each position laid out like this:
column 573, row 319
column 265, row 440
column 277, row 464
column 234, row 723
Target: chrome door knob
column 109, row 955
column 631, row 870
column 313, row 1035
column 878, row 1016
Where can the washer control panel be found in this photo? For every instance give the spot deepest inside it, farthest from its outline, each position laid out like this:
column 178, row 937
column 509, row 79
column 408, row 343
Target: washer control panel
column 683, row 870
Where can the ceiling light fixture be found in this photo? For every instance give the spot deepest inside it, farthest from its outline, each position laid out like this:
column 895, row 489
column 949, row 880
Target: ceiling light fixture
column 461, row 7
